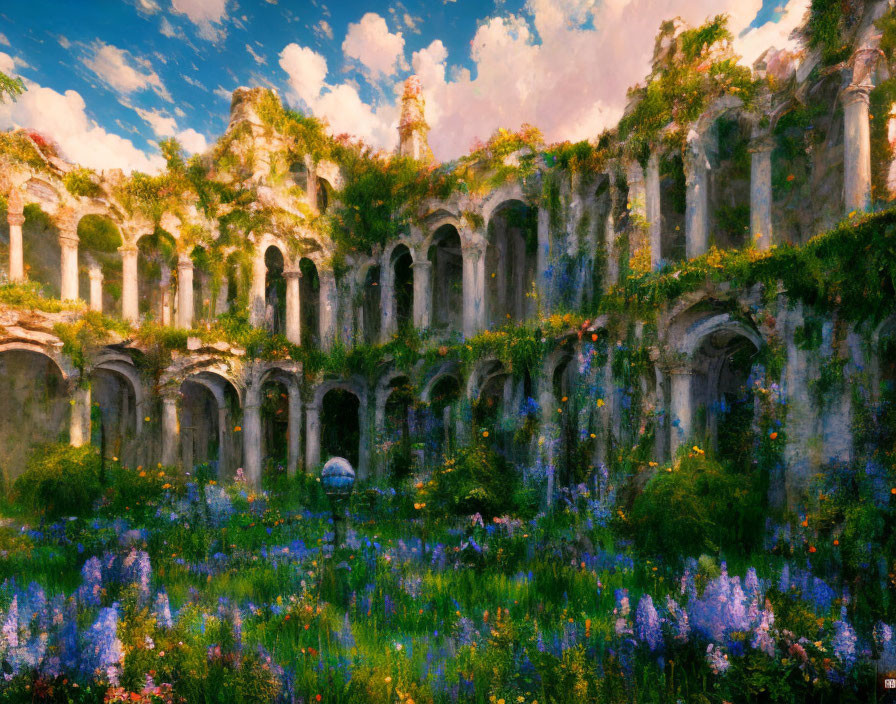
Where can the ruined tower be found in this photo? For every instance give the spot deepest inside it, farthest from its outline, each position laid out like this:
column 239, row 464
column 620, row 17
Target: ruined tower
column 412, row 128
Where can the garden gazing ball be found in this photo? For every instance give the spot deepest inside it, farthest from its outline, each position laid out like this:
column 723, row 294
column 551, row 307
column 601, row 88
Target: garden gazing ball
column 337, row 476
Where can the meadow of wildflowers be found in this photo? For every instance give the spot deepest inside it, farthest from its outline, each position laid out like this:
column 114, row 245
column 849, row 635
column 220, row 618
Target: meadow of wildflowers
column 204, row 593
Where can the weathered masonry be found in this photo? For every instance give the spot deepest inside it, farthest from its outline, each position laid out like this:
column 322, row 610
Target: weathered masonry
column 465, row 268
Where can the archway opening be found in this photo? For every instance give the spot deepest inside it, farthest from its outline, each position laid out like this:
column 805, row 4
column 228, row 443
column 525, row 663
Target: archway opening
column 41, row 250
column 443, row 409
column 199, row 429
column 274, row 291
column 275, row 423
column 397, row 430
column 371, row 311
column 309, row 300
column 156, row 257
column 99, row 240
column 601, row 246
column 116, row 431
column 729, row 183
column 34, row 408
column 447, row 279
column 402, row 267
column 573, row 456
column 489, row 416
column 324, row 195
column 722, row 396
column 673, row 201
column 340, row 426
column 510, row 262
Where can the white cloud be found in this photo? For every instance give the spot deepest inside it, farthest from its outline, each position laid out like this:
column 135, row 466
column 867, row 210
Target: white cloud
column 565, row 67
column 113, row 67
column 307, row 71
column 7, row 63
column 191, row 140
column 63, row 118
column 3, row 40
column 323, row 29
column 64, row 42
column 207, row 15
column 370, row 42
column 163, row 125
column 169, row 30
column 259, row 59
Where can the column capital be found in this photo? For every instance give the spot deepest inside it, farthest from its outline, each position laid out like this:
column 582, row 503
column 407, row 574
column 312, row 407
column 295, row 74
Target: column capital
column 184, row 261
column 633, row 172
column 423, row 264
column 763, row 142
column 856, row 93
column 292, row 272
column 14, row 219
column 128, row 248
column 15, row 205
column 473, row 248
column 67, row 222
column 95, row 273
column 68, row 240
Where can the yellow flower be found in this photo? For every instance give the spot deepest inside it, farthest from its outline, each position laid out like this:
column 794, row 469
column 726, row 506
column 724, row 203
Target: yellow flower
column 485, row 433
column 388, row 679
column 146, row 419
column 600, row 403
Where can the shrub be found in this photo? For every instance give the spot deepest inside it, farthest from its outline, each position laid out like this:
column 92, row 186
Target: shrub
column 475, row 480
column 61, row 480
column 698, row 506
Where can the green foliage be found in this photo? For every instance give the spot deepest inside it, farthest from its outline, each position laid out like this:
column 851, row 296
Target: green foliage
column 698, row 506
column 475, row 480
column 17, row 147
column 84, row 336
column 29, row 295
column 81, row 182
column 683, row 88
column 827, row 25
column 98, row 234
column 10, row 87
column 60, row 480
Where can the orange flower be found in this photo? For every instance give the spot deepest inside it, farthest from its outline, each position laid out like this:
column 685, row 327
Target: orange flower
column 594, row 337
column 773, row 435
column 485, row 435
column 836, row 542
column 811, row 548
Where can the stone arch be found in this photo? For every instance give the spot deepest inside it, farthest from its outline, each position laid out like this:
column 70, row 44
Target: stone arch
column 717, row 353
column 210, row 408
column 100, row 240
column 148, row 260
column 368, row 308
column 310, row 301
column 442, row 395
column 510, row 261
column 327, row 429
column 394, row 421
column 35, row 405
column 444, row 249
column 400, row 273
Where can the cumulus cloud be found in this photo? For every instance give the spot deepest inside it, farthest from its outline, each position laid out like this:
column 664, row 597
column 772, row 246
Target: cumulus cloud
column 166, row 126
column 307, row 71
column 370, row 42
column 63, row 117
column 207, row 15
column 113, row 66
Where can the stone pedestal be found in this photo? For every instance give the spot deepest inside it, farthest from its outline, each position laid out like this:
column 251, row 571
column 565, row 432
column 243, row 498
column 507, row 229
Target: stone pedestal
column 184, row 292
column 130, row 305
column 15, row 216
column 293, row 305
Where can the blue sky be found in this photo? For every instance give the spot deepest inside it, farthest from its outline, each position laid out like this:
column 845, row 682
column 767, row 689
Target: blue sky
column 108, row 78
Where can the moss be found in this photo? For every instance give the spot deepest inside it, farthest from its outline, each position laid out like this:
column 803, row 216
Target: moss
column 30, row 296
column 98, row 234
column 82, row 182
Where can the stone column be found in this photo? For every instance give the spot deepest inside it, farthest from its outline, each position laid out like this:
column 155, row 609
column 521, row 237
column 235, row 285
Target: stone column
column 422, row 270
column 547, row 433
column 363, row 439
column 165, row 295
column 223, row 445
column 294, row 431
column 67, row 221
column 184, row 291
column 637, row 191
column 293, row 305
column 221, row 303
column 697, row 205
column 542, row 262
column 15, row 216
column 473, row 253
column 79, row 424
column 856, row 148
column 252, row 442
column 312, row 437
column 257, row 291
column 96, row 287
column 328, row 310
column 653, row 209
column 681, row 411
column 130, row 306
column 761, row 192
column 170, row 430
column 387, row 299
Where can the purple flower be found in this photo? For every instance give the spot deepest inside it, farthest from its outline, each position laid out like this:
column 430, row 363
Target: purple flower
column 162, row 610
column 647, row 624
column 844, row 641
column 717, row 659
column 103, row 653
